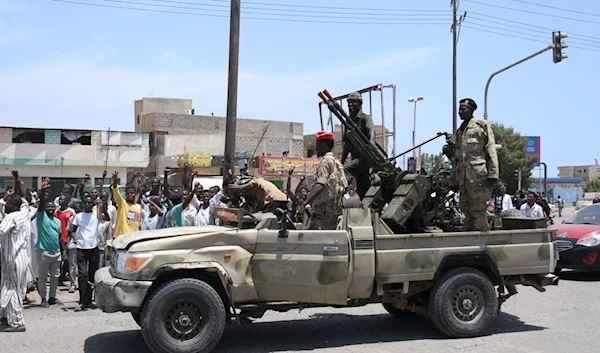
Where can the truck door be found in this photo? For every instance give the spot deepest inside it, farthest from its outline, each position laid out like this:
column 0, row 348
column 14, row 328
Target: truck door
column 307, row 266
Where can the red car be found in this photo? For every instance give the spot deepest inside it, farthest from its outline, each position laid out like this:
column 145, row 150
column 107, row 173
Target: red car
column 578, row 240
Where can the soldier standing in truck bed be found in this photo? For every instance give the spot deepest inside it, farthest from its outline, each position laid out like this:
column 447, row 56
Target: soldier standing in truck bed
column 476, row 166
column 326, row 195
column 358, row 167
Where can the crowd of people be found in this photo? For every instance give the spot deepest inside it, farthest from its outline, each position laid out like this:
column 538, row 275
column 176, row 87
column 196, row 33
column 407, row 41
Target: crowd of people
column 47, row 241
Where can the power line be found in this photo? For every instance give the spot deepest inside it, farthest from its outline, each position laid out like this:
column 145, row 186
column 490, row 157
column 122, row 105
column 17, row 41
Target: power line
column 127, row 2
column 319, row 9
column 559, row 8
column 524, row 38
column 533, row 35
column 403, row 22
column 529, row 25
column 326, row 7
column 532, row 12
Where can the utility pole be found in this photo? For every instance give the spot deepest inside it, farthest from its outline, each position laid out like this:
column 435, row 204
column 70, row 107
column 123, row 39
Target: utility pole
column 455, row 34
column 232, row 88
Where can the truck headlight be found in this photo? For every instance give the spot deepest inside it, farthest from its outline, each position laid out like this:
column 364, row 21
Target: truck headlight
column 592, row 240
column 128, row 262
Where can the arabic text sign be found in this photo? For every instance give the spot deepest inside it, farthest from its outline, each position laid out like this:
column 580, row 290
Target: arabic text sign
column 280, row 166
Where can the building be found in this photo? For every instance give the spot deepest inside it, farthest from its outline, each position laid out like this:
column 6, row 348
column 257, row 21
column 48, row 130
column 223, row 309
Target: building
column 570, row 189
column 177, row 134
column 587, row 172
column 380, row 138
column 66, row 155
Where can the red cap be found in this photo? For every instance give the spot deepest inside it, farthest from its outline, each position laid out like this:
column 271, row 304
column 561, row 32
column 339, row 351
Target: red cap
column 325, row 135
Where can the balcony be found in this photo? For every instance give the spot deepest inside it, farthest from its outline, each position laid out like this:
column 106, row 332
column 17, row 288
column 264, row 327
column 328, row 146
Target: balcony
column 73, row 155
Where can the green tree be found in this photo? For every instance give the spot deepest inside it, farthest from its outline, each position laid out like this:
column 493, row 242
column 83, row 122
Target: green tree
column 432, row 162
column 512, row 157
column 592, row 186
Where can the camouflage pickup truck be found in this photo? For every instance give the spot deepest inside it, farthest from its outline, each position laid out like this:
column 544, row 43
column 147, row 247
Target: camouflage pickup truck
column 183, row 285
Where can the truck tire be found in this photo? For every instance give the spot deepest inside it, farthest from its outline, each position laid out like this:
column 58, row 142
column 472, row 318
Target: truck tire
column 183, row 316
column 137, row 317
column 463, row 303
column 395, row 312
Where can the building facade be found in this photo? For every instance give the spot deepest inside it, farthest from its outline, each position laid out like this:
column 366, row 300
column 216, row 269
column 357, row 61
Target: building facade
column 66, row 155
column 587, row 172
column 176, row 134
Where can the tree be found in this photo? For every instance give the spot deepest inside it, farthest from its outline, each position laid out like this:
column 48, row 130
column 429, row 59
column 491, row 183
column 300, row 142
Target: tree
column 592, row 186
column 432, row 162
column 512, row 157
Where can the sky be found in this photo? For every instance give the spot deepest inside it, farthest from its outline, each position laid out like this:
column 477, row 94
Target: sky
column 68, row 65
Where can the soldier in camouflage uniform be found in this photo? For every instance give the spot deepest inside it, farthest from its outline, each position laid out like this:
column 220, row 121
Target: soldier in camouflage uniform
column 477, row 167
column 330, row 184
column 358, row 168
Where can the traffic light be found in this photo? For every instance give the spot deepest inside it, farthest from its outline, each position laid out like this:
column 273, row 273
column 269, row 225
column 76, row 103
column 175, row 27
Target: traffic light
column 558, row 46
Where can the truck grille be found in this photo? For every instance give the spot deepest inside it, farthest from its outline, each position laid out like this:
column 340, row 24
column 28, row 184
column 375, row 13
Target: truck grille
column 564, row 245
column 363, row 244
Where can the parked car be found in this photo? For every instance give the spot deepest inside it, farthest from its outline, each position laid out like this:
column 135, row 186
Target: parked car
column 578, row 240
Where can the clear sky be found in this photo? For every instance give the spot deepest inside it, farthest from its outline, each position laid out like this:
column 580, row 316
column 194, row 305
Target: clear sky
column 78, row 66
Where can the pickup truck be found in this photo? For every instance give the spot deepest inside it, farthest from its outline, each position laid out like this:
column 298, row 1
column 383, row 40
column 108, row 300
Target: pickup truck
column 183, row 285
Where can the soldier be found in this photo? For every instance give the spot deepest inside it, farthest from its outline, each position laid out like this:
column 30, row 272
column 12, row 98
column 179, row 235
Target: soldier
column 358, row 167
column 476, row 163
column 330, row 184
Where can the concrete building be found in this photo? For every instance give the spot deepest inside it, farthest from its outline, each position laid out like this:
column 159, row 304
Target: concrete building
column 587, row 172
column 177, row 133
column 65, row 155
column 380, row 138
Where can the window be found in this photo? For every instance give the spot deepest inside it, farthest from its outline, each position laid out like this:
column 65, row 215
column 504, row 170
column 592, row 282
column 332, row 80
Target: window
column 138, row 119
column 76, row 137
column 28, row 136
column 309, row 153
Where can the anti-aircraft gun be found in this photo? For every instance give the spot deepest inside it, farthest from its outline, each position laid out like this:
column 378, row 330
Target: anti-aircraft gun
column 414, row 200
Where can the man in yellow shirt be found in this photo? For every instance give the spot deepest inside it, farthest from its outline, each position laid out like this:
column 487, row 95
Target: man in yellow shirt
column 129, row 213
column 265, row 193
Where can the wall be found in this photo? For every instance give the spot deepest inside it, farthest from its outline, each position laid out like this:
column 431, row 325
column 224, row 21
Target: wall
column 569, row 194
column 280, row 136
column 18, row 154
column 148, row 105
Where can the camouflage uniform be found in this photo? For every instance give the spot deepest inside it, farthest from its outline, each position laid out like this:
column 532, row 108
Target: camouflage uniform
column 358, row 167
column 327, row 207
column 476, row 164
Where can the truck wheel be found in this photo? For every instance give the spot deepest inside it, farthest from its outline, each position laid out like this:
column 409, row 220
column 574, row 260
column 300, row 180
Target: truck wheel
column 184, row 315
column 395, row 312
column 463, row 303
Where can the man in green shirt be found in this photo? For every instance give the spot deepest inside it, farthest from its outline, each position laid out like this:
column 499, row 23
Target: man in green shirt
column 358, row 168
column 48, row 249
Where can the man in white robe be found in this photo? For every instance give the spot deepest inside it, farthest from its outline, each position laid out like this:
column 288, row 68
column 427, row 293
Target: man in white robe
column 15, row 233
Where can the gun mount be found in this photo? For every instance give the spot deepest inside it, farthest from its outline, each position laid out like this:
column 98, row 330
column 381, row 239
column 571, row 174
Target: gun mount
column 415, row 201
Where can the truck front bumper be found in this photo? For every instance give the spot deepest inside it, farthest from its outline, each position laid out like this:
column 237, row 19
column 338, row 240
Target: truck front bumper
column 115, row 294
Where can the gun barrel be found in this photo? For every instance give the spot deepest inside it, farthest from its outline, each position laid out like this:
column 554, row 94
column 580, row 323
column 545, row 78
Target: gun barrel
column 419, row 145
column 376, row 158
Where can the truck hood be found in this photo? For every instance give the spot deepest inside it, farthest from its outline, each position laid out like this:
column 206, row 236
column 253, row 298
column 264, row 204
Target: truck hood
column 125, row 240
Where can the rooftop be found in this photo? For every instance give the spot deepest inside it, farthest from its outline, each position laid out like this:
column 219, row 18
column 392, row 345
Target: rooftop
column 559, row 180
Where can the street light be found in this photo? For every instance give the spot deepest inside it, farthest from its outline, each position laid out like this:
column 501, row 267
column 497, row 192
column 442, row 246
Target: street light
column 414, row 142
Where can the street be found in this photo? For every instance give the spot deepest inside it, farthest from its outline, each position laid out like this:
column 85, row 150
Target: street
column 529, row 322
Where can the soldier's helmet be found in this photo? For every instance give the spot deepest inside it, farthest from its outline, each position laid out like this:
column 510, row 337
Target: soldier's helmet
column 355, row 96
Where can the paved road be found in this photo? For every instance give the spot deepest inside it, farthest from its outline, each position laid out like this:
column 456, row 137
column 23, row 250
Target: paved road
column 531, row 322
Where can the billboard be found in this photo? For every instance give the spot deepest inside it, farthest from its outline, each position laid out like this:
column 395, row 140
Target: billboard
column 533, row 148
column 279, row 166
